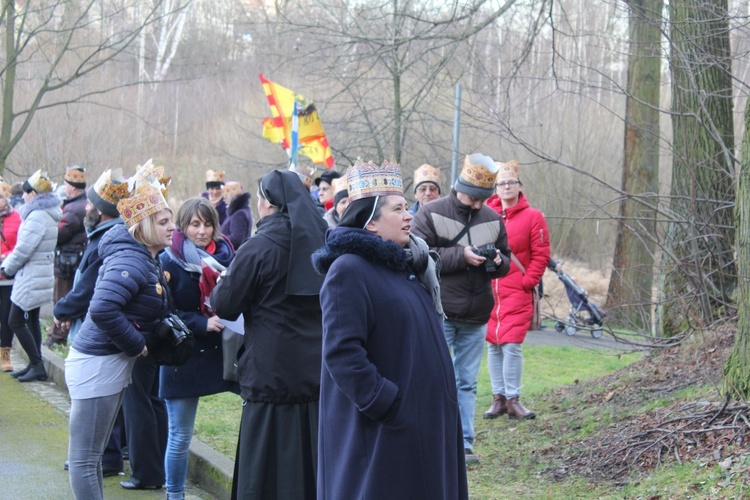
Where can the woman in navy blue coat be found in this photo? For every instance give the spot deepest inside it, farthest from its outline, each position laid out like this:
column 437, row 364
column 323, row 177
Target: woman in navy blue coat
column 389, row 421
column 198, row 239
column 128, row 305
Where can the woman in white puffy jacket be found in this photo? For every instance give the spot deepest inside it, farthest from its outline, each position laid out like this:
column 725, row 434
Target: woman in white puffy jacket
column 31, row 264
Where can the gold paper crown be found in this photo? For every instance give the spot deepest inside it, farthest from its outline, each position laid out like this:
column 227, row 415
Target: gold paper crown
column 76, row 175
column 231, row 188
column 339, row 184
column 215, row 176
column 5, row 189
column 151, row 174
column 110, row 186
column 366, row 180
column 481, row 172
column 426, row 173
column 304, row 173
column 146, row 200
column 41, row 183
column 508, row 170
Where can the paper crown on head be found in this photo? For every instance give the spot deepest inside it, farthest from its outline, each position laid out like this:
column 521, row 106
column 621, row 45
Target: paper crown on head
column 76, row 177
column 152, row 174
column 426, row 173
column 509, row 170
column 339, row 184
column 230, row 189
column 214, row 178
column 5, row 189
column 40, row 183
column 477, row 177
column 108, row 190
column 366, row 180
column 145, row 199
column 304, row 173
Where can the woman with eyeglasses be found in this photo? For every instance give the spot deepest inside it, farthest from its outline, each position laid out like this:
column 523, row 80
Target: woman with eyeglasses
column 528, row 239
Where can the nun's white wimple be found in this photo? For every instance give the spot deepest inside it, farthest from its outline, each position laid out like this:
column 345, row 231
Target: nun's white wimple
column 369, row 219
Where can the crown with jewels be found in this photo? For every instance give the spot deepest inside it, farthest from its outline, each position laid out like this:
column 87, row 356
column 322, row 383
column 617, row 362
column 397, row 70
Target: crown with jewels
column 366, row 180
column 41, row 183
column 215, row 176
column 479, row 171
column 339, row 184
column 305, row 174
column 509, row 170
column 230, row 189
column 152, row 174
column 426, row 173
column 110, row 186
column 145, row 200
column 75, row 175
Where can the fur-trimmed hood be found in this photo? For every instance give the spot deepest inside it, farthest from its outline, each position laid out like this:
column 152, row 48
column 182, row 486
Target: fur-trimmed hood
column 344, row 240
column 48, row 201
column 241, row 201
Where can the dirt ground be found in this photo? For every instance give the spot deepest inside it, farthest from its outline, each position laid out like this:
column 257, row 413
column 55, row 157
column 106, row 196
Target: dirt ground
column 685, row 429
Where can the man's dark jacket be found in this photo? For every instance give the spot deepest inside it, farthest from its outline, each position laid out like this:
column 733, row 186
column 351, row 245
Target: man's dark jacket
column 465, row 290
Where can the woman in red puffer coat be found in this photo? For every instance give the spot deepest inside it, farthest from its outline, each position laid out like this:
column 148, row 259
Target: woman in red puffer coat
column 528, row 239
column 10, row 220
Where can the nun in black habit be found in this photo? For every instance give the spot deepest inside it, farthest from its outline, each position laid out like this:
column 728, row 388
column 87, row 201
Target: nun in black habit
column 272, row 282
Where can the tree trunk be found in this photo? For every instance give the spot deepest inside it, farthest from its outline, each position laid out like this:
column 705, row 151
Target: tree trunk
column 629, row 296
column 9, row 82
column 737, row 368
column 698, row 271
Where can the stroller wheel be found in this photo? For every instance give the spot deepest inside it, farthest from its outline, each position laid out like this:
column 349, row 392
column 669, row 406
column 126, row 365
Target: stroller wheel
column 570, row 330
column 597, row 334
column 559, row 326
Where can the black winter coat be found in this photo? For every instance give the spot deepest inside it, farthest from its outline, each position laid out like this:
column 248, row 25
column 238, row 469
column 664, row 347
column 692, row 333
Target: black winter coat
column 281, row 359
column 389, row 424
column 203, row 373
column 71, row 234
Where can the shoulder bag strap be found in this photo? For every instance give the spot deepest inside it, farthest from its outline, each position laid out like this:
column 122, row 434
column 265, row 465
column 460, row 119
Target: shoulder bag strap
column 462, row 233
column 517, row 263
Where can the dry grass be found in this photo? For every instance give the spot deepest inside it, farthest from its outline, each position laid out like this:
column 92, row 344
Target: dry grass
column 595, row 282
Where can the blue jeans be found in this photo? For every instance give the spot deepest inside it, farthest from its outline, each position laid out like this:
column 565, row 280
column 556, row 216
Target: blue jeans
column 506, row 365
column 466, row 341
column 181, row 422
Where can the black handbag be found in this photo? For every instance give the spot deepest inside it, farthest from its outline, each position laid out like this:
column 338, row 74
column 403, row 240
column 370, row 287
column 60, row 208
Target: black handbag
column 174, row 341
column 67, row 261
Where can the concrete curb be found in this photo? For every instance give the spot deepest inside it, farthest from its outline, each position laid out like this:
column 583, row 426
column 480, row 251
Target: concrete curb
column 208, row 468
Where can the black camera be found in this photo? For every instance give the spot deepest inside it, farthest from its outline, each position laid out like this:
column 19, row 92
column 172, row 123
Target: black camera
column 174, row 330
column 489, row 252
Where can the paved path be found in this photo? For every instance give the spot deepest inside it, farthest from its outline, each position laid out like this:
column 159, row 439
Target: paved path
column 34, row 445
column 583, row 339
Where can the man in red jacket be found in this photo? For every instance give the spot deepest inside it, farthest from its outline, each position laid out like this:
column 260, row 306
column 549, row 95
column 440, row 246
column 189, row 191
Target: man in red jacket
column 473, row 248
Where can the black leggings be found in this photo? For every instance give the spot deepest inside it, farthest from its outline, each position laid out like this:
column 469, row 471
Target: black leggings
column 28, row 331
column 6, row 334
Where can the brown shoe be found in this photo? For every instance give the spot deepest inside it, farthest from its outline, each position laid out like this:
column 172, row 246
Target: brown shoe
column 5, row 364
column 516, row 410
column 499, row 407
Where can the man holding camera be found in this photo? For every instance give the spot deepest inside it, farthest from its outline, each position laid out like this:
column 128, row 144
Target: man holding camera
column 473, row 248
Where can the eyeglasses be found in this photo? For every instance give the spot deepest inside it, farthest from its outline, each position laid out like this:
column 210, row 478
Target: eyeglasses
column 507, row 184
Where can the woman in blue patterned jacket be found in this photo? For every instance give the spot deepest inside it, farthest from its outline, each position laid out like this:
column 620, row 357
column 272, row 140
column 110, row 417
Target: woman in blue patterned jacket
column 128, row 305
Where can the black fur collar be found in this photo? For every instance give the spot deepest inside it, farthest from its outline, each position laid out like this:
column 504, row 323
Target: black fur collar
column 344, row 240
column 241, row 201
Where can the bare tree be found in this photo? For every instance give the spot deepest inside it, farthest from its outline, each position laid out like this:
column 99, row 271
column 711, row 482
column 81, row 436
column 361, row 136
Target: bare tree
column 56, row 46
column 630, row 286
column 698, row 276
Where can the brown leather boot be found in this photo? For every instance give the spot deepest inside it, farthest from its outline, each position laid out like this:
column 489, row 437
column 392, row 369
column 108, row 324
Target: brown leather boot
column 516, row 410
column 5, row 364
column 499, row 407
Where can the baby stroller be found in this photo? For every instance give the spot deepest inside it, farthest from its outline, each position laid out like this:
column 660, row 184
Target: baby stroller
column 583, row 314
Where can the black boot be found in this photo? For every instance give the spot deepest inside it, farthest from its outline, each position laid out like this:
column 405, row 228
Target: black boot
column 21, row 373
column 36, row 372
